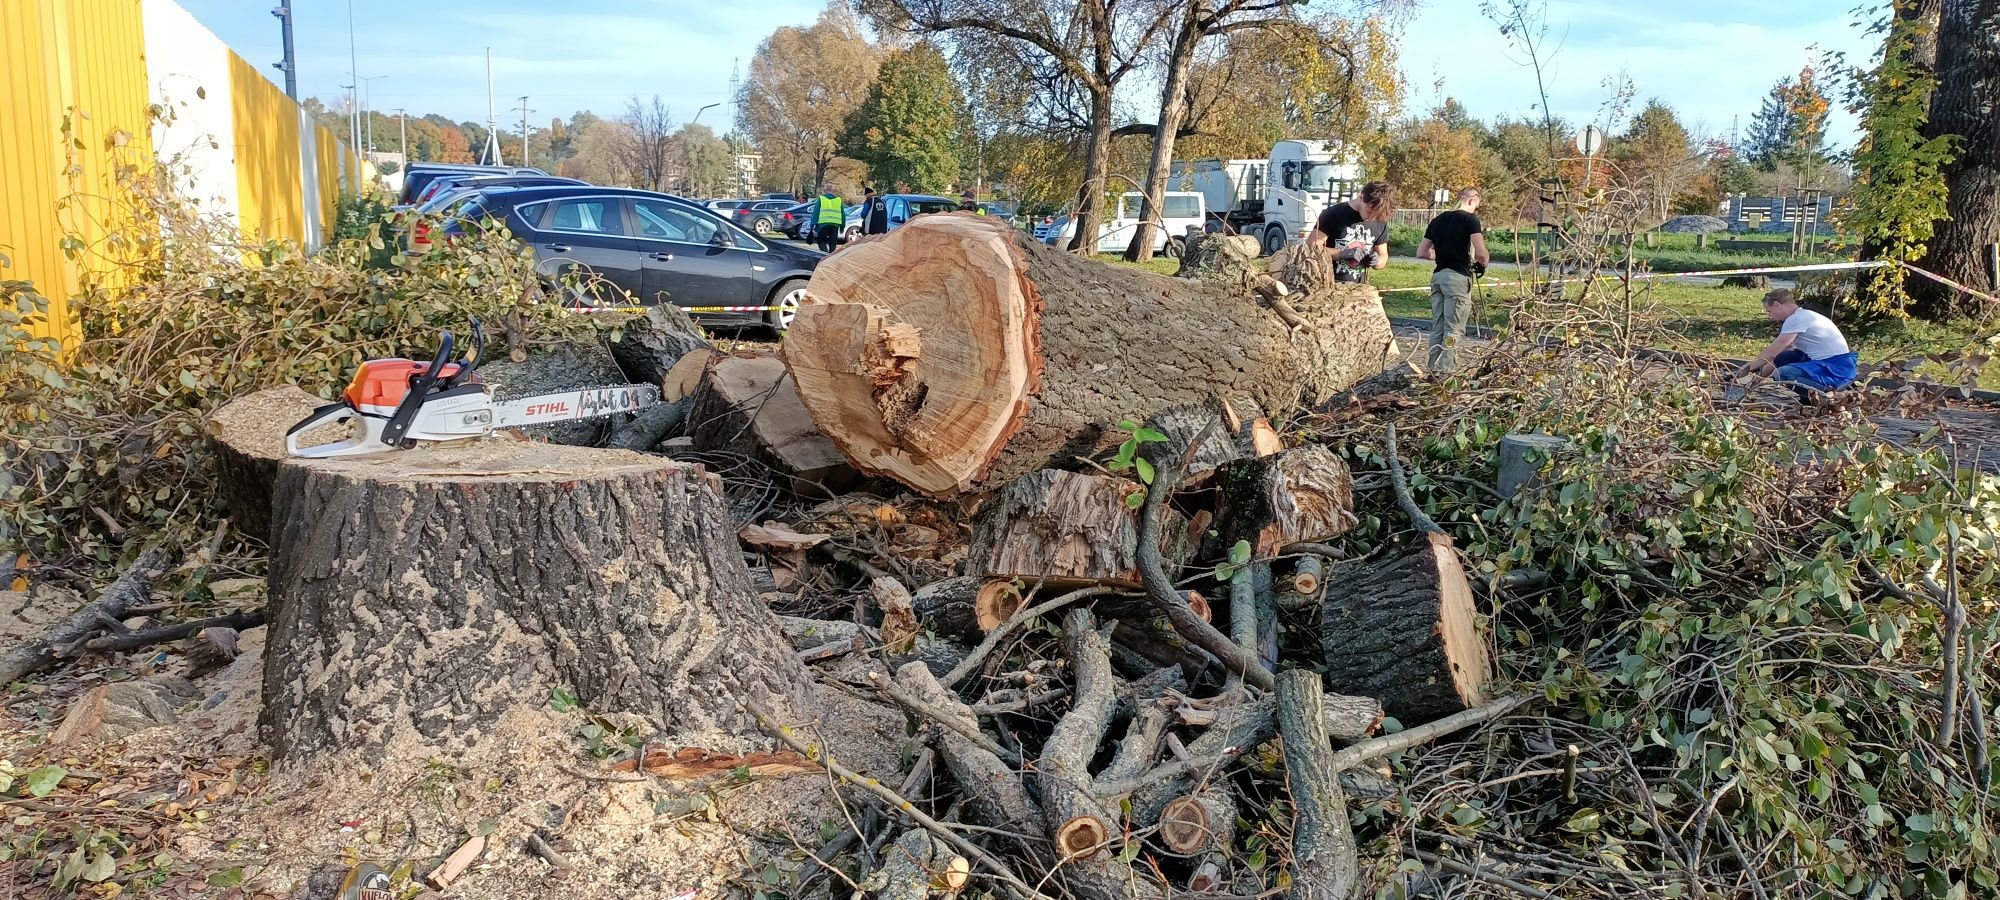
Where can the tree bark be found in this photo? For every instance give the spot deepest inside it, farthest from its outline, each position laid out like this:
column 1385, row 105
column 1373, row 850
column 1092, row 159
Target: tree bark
column 416, row 597
column 1324, row 865
column 1404, row 631
column 1967, row 104
column 1068, row 529
column 249, row 440
column 1089, row 215
column 954, row 354
column 1173, row 111
column 1302, row 494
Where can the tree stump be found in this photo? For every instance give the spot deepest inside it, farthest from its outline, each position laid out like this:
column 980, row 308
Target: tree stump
column 418, row 596
column 1229, row 257
column 249, row 439
column 1405, row 631
column 954, row 354
column 1522, row 458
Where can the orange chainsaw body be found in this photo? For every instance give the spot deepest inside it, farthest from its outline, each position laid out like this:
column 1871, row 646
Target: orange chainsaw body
column 380, row 384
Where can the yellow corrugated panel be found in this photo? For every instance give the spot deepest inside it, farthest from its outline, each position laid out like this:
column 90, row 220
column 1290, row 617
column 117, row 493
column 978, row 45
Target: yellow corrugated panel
column 31, row 155
column 331, row 158
column 107, row 62
column 84, row 59
column 270, row 187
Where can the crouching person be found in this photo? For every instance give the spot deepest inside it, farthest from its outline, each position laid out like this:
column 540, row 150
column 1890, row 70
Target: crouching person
column 1810, row 353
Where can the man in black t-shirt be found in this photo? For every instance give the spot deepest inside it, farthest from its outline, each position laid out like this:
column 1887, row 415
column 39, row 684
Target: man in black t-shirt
column 1456, row 240
column 1357, row 232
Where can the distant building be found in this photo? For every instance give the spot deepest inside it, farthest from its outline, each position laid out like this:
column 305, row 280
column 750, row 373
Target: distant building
column 1818, row 211
column 746, row 174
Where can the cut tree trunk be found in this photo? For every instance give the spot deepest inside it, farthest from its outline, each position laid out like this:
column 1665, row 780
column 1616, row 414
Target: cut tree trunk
column 748, row 407
column 1221, row 257
column 1067, row 529
column 417, row 597
column 249, row 439
column 1303, row 494
column 954, row 355
column 1405, row 631
column 649, row 344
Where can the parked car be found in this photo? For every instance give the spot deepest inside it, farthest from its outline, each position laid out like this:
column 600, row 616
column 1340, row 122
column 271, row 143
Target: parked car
column 1179, row 210
column 999, row 209
column 443, row 189
column 789, row 198
column 904, row 207
column 760, row 216
column 420, row 175
column 623, row 245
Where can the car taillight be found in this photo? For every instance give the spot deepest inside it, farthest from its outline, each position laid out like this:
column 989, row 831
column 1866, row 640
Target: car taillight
column 420, row 232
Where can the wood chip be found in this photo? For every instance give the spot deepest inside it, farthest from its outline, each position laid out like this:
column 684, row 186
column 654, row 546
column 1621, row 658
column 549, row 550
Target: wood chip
column 693, row 762
column 778, row 536
column 456, row 864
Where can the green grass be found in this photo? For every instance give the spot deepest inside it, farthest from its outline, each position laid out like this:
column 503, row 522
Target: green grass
column 1694, row 318
column 1669, row 253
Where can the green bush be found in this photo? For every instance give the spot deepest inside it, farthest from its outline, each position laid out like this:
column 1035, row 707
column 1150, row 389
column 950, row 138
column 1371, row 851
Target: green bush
column 112, row 431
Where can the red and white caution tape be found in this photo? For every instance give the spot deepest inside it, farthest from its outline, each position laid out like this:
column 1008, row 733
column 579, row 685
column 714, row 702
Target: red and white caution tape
column 688, row 309
column 1642, row 276
column 1940, row 279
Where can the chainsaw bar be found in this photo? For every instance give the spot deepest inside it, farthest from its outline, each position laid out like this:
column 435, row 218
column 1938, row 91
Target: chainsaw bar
column 587, row 403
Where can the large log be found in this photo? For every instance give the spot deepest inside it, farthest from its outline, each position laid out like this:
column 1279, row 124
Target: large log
column 749, row 407
column 417, row 596
column 1068, row 528
column 954, row 354
column 1404, row 630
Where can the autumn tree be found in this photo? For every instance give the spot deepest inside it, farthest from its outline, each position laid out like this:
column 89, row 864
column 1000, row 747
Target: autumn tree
column 1656, row 156
column 647, row 155
column 599, row 154
column 1899, row 187
column 1790, row 127
column 452, row 145
column 804, row 84
column 1429, row 155
column 911, row 128
column 708, row 169
column 1327, row 77
column 1966, row 108
column 1087, row 49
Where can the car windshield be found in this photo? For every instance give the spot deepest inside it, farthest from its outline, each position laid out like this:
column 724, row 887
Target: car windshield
column 919, row 207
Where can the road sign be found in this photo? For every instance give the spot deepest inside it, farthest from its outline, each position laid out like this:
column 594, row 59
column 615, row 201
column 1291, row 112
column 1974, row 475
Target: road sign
column 1590, row 141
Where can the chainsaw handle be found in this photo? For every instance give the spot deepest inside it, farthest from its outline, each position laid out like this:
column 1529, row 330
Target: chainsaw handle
column 406, row 411
column 466, row 364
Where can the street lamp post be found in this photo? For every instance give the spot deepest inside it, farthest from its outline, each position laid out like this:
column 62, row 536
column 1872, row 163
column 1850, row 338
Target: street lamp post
column 366, row 94
column 354, row 98
column 698, row 112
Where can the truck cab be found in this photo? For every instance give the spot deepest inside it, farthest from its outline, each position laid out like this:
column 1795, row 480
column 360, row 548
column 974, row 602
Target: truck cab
column 1279, row 198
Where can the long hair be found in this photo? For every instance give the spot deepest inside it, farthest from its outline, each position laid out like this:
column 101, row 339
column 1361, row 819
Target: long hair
column 1380, row 199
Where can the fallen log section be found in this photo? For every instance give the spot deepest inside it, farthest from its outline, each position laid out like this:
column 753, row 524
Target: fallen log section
column 954, row 354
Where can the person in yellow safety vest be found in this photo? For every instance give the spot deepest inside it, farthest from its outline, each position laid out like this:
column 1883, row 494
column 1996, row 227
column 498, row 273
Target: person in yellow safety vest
column 831, row 218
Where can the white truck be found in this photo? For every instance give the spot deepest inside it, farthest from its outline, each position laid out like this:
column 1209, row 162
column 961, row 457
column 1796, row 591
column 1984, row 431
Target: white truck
column 1179, row 211
column 1277, row 199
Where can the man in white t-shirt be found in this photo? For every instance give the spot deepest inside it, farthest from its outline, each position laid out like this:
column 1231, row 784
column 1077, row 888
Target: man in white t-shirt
column 1810, row 353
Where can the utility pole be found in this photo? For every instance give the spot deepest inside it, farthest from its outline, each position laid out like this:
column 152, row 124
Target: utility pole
column 367, row 103
column 354, row 99
column 404, row 126
column 524, row 129
column 492, row 151
column 290, row 64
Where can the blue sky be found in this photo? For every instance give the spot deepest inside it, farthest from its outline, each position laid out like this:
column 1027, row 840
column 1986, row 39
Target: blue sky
column 1710, row 59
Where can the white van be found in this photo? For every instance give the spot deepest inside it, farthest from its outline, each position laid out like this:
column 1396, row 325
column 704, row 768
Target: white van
column 1178, row 211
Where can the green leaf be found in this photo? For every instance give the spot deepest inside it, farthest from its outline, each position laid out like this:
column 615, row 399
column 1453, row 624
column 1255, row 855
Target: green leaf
column 1586, row 820
column 1135, row 499
column 1145, row 470
column 227, row 878
column 1148, row 436
column 1239, row 553
column 562, row 700
column 100, row 868
column 1128, row 425
column 43, row 781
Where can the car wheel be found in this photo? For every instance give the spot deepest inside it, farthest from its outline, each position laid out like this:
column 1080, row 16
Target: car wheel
column 1274, row 240
column 761, row 226
column 853, row 234
column 1176, row 247
column 787, row 299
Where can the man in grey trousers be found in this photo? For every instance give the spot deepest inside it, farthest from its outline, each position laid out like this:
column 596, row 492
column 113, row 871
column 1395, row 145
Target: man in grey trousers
column 1456, row 240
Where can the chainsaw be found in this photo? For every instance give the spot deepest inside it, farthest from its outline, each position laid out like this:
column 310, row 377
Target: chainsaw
column 396, row 404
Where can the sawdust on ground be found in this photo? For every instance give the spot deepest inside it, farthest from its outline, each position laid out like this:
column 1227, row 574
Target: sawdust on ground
column 295, row 832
